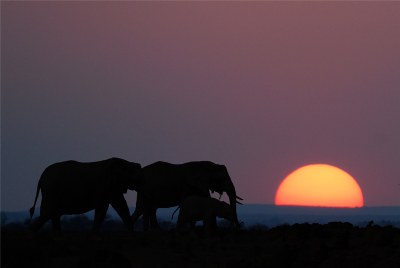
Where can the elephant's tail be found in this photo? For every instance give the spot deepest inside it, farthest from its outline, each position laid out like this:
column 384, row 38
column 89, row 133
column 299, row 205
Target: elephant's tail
column 174, row 212
column 32, row 209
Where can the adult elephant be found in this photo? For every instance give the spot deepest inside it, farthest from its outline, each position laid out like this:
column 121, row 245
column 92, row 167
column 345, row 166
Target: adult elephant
column 73, row 187
column 162, row 185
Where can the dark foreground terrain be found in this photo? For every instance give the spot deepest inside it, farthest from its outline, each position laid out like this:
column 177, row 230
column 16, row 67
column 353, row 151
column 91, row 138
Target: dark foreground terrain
column 300, row 245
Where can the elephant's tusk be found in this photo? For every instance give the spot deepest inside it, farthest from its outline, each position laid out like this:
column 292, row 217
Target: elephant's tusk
column 237, row 197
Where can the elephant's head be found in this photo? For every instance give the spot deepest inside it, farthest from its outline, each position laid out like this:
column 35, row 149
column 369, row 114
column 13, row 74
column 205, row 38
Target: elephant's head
column 132, row 178
column 125, row 173
column 215, row 178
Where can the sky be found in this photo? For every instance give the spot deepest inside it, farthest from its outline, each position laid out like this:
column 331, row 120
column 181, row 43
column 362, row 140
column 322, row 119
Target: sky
column 261, row 87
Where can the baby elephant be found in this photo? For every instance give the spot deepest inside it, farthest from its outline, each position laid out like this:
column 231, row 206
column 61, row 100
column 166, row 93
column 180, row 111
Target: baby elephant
column 197, row 208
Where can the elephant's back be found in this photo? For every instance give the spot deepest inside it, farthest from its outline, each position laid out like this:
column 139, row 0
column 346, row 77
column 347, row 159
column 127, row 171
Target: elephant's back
column 159, row 165
column 58, row 169
column 72, row 174
column 160, row 172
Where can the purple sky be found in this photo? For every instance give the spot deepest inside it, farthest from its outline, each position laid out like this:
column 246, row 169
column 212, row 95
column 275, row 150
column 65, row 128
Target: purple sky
column 263, row 88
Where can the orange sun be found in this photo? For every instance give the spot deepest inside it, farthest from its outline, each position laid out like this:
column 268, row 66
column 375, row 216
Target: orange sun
column 319, row 185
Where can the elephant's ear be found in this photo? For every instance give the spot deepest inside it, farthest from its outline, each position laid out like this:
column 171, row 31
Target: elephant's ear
column 197, row 184
column 216, row 177
column 205, row 176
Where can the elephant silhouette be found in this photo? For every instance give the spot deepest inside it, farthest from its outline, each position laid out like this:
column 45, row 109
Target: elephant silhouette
column 162, row 185
column 73, row 187
column 206, row 209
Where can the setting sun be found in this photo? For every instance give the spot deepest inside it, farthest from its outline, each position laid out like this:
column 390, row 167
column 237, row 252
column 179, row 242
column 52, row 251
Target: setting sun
column 319, row 185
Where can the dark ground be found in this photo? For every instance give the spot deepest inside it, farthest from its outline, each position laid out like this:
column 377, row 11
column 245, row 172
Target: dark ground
column 300, row 245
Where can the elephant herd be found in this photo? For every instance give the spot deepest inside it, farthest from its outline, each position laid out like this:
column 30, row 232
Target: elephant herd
column 73, row 187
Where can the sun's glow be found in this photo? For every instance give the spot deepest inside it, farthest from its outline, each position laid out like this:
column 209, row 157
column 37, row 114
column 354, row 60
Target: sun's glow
column 319, row 185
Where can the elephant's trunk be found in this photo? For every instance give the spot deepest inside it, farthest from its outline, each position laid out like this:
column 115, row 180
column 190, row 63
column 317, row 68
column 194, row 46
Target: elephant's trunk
column 231, row 192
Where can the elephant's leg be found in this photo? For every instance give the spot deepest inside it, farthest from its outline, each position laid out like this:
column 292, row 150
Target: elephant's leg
column 46, row 213
column 121, row 207
column 210, row 223
column 138, row 209
column 99, row 215
column 150, row 219
column 193, row 224
column 180, row 224
column 153, row 219
column 136, row 214
column 213, row 222
column 38, row 223
column 146, row 220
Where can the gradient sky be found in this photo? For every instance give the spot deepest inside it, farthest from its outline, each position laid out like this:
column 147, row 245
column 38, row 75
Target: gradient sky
column 262, row 87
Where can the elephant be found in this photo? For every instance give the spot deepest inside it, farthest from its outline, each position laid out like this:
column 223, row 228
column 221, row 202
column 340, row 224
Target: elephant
column 197, row 208
column 72, row 187
column 162, row 185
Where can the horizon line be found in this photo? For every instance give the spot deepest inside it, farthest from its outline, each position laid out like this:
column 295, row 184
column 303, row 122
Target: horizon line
column 263, row 204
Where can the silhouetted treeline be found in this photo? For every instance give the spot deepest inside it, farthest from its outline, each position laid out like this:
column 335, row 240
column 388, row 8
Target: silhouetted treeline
column 83, row 223
column 80, row 223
